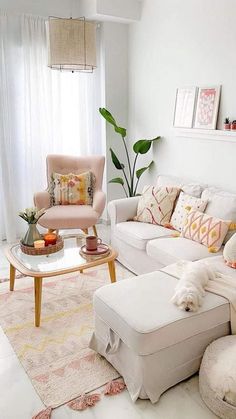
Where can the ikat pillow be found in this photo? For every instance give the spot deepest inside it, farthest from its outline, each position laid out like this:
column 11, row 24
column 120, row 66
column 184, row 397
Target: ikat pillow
column 180, row 212
column 156, row 205
column 205, row 229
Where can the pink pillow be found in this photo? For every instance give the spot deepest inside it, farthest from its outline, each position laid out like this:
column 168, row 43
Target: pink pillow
column 205, row 229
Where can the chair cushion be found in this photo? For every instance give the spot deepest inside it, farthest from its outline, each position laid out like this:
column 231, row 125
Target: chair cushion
column 72, row 189
column 170, row 250
column 140, row 312
column 138, row 234
column 69, row 216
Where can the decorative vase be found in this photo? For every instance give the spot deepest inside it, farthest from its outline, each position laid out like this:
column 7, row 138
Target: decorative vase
column 227, row 126
column 32, row 234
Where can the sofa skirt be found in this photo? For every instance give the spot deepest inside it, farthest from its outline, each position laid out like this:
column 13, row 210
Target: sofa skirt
column 148, row 376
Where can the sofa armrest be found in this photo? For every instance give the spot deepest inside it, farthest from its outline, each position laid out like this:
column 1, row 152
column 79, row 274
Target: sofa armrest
column 42, row 199
column 99, row 200
column 121, row 210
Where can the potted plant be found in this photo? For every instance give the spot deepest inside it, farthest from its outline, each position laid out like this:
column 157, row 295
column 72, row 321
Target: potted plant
column 31, row 216
column 233, row 125
column 130, row 179
column 227, row 124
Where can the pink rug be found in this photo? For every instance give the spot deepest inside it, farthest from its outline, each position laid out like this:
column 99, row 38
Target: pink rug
column 56, row 356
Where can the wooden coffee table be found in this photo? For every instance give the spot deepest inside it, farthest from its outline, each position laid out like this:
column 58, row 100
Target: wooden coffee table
column 65, row 261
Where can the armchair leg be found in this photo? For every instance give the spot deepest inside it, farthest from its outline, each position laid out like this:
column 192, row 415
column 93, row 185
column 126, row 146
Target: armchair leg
column 85, row 230
column 95, row 231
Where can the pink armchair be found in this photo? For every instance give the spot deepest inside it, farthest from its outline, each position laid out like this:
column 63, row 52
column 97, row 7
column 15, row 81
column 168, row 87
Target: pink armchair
column 72, row 216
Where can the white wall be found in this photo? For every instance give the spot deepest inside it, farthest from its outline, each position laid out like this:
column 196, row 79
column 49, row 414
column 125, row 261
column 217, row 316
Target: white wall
column 115, row 47
column 183, row 43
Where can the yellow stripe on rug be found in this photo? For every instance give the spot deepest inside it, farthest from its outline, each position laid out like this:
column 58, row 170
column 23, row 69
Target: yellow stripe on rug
column 57, row 340
column 49, row 318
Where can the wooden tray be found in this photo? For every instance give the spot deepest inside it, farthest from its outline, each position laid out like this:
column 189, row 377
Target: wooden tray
column 47, row 250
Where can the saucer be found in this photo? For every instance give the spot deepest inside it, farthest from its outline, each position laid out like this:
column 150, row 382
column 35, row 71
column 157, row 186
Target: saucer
column 102, row 248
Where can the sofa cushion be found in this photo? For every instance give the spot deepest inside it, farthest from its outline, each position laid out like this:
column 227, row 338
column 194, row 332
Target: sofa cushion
column 191, row 188
column 205, row 229
column 156, row 205
column 221, row 204
column 138, row 234
column 170, row 250
column 147, row 321
column 180, row 212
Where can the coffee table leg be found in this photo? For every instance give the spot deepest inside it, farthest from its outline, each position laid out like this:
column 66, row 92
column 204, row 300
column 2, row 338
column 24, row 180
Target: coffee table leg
column 12, row 277
column 112, row 270
column 37, row 297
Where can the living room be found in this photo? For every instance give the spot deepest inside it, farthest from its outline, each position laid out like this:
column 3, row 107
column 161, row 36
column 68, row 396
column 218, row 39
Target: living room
column 117, row 181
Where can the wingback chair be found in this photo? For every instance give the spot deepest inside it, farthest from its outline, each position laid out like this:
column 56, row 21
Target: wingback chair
column 72, row 216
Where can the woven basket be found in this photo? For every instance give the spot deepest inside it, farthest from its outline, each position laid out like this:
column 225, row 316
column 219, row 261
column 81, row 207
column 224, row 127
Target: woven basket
column 47, row 250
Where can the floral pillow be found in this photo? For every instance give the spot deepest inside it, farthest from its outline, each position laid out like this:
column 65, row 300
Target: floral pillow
column 180, row 211
column 156, row 205
column 72, row 189
column 205, row 229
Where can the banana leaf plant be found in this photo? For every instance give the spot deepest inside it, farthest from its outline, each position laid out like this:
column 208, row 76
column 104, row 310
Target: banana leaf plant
column 131, row 176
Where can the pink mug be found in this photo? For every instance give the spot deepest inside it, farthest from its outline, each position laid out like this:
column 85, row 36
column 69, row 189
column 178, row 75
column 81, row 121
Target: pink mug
column 92, row 242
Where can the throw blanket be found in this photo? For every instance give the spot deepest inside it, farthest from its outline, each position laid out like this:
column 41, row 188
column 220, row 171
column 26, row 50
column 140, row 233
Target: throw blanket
column 223, row 285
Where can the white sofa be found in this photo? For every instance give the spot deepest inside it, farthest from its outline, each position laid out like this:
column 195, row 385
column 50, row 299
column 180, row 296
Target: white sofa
column 145, row 247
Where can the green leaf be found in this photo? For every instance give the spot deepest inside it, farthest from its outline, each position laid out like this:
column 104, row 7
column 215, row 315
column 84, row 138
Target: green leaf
column 116, row 161
column 121, row 131
column 139, row 172
column 117, row 180
column 143, row 146
column 108, row 116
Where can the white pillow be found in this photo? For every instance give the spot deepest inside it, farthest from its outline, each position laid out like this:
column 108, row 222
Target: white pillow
column 180, row 212
column 221, row 204
column 156, row 205
column 192, row 189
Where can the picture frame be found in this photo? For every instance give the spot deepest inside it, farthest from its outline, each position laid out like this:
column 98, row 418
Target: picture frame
column 207, row 107
column 184, row 107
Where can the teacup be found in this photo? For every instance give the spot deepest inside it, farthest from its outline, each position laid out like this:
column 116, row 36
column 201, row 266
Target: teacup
column 92, row 242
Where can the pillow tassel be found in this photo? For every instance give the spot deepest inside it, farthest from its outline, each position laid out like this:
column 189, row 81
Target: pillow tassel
column 114, row 387
column 43, row 414
column 84, row 401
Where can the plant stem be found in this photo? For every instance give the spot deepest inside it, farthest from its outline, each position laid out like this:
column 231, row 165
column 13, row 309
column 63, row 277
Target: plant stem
column 127, row 181
column 125, row 191
column 128, row 159
column 135, row 190
column 132, row 178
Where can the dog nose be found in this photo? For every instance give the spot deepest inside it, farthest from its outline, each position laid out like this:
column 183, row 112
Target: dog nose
column 187, row 309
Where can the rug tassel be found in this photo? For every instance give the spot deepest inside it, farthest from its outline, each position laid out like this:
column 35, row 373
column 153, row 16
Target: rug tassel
column 44, row 414
column 84, row 401
column 114, row 387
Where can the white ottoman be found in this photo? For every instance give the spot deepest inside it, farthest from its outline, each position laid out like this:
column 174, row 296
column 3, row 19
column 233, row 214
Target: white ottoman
column 215, row 370
column 153, row 344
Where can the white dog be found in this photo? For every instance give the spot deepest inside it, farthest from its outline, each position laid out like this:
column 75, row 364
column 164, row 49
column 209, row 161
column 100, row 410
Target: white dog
column 191, row 287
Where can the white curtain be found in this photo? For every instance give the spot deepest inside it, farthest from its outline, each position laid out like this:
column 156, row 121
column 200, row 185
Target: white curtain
column 42, row 111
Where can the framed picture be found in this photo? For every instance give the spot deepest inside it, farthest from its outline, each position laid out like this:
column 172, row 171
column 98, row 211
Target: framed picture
column 184, row 107
column 207, row 107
